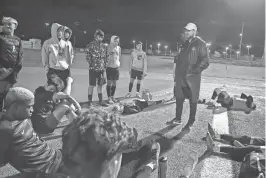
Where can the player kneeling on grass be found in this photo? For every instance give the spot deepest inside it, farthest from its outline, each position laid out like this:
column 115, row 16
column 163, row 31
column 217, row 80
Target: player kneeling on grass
column 51, row 105
column 137, row 68
column 245, row 103
column 138, row 104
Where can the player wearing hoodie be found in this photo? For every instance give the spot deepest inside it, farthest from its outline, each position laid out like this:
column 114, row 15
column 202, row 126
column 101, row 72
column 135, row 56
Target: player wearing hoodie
column 56, row 55
column 137, row 68
column 67, row 36
column 112, row 70
column 10, row 57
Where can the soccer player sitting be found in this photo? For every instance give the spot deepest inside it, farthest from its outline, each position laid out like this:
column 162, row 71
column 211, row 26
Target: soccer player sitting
column 245, row 103
column 51, row 105
column 138, row 104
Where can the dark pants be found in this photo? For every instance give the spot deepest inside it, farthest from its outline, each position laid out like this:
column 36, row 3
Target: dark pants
column 246, row 140
column 238, row 154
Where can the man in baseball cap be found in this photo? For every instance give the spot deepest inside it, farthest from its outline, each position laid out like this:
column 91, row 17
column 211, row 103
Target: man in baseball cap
column 190, row 62
column 191, row 26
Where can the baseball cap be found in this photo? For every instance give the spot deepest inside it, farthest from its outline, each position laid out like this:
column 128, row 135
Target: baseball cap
column 191, row 26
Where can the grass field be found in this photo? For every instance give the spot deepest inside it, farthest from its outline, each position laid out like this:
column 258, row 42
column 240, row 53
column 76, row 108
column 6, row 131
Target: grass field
column 238, row 79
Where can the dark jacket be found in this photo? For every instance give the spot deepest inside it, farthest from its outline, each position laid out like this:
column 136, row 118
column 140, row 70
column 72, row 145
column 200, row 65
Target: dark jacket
column 11, row 54
column 24, row 150
column 190, row 62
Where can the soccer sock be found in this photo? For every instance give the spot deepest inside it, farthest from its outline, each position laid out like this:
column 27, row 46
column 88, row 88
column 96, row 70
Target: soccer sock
column 138, row 87
column 113, row 88
column 130, row 87
column 100, row 96
column 108, row 90
column 90, row 98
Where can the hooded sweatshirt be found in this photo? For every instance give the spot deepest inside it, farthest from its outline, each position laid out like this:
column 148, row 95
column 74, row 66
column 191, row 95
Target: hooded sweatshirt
column 139, row 61
column 55, row 51
column 69, row 44
column 114, row 54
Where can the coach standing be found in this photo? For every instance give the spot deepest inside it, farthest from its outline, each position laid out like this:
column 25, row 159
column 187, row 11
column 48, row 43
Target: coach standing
column 10, row 57
column 191, row 61
column 96, row 55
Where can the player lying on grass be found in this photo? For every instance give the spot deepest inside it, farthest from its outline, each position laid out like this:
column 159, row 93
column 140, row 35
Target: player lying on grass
column 137, row 105
column 239, row 146
column 91, row 143
column 51, row 105
column 245, row 103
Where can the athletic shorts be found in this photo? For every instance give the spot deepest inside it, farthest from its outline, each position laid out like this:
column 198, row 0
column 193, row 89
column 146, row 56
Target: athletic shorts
column 63, row 74
column 96, row 77
column 112, row 73
column 136, row 74
column 39, row 123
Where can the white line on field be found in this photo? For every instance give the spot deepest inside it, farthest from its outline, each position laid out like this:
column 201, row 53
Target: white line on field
column 215, row 166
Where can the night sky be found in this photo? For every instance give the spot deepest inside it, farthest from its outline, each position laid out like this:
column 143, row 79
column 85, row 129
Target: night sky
column 218, row 21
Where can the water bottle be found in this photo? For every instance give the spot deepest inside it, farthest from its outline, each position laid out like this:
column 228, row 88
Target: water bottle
column 162, row 171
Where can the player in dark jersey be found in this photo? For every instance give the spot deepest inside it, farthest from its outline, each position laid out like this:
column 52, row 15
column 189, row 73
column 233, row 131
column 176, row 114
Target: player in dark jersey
column 10, row 57
column 51, row 105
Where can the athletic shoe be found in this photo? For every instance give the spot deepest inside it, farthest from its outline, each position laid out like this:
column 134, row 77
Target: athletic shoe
column 155, row 149
column 110, row 101
column 209, row 141
column 172, row 99
column 128, row 95
column 174, row 122
column 238, row 144
column 101, row 103
column 138, row 95
column 114, row 100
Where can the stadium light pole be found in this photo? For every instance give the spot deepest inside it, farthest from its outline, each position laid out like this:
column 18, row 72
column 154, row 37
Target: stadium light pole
column 248, row 46
column 165, row 47
column 158, row 47
column 134, row 43
column 230, row 49
column 241, row 38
